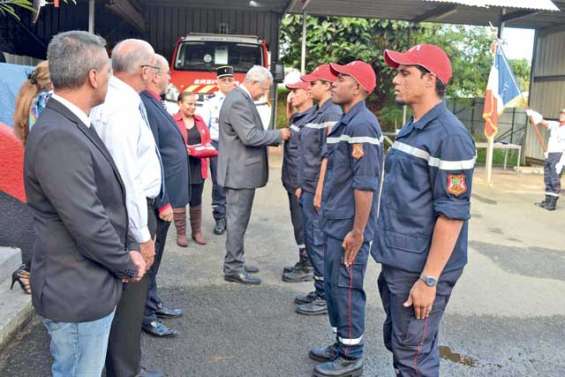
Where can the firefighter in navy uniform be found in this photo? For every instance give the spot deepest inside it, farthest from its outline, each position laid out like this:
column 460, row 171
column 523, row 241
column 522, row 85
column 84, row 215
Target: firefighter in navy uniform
column 301, row 102
column 351, row 172
column 210, row 112
column 422, row 226
column 312, row 142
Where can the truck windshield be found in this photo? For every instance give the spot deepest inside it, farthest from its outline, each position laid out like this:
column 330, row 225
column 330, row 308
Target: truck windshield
column 207, row 56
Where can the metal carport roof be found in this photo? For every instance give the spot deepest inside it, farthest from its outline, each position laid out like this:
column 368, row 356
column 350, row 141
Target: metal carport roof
column 443, row 11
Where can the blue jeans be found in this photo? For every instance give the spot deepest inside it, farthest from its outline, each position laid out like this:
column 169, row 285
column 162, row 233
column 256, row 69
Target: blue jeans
column 79, row 348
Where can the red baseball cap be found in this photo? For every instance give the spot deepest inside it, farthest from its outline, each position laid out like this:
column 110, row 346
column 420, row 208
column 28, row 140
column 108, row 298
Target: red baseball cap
column 431, row 57
column 322, row 72
column 300, row 84
column 362, row 72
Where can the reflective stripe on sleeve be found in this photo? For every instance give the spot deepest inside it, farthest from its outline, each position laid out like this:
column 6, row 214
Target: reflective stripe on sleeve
column 434, row 161
column 355, row 140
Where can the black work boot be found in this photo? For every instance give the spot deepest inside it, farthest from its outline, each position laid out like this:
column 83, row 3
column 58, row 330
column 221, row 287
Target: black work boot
column 298, row 275
column 544, row 202
column 317, row 307
column 220, row 227
column 552, row 203
column 340, row 368
column 324, row 354
column 302, row 260
column 305, row 299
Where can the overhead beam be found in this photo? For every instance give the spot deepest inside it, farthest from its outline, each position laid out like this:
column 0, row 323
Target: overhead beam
column 437, row 12
column 518, row 15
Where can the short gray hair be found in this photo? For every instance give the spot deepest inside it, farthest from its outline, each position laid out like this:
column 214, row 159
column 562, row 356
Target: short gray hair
column 129, row 54
column 72, row 55
column 258, row 74
column 161, row 60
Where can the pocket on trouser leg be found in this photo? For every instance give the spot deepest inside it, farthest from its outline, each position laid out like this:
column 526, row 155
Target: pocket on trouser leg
column 420, row 334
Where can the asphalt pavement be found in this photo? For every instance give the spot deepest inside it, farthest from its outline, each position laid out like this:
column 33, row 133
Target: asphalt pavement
column 506, row 317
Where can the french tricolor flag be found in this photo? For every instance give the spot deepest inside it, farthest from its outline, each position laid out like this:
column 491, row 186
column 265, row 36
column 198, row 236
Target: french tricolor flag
column 502, row 92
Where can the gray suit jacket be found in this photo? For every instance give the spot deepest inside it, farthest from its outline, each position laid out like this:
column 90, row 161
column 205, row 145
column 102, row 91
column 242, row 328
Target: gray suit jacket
column 78, row 202
column 243, row 161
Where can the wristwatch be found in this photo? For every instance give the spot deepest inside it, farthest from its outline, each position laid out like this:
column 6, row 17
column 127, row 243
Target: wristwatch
column 430, row 281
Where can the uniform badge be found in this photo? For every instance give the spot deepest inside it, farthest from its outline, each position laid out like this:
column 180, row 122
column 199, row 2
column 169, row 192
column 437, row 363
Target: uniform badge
column 357, row 152
column 456, row 184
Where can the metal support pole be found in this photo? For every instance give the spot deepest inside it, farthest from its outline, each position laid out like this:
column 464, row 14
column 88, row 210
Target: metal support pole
column 303, row 55
column 91, row 15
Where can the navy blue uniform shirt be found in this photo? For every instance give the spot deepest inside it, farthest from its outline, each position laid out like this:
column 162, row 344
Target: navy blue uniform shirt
column 354, row 152
column 428, row 173
column 312, row 141
column 292, row 156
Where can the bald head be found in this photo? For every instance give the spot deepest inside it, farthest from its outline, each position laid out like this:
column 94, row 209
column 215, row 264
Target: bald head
column 130, row 54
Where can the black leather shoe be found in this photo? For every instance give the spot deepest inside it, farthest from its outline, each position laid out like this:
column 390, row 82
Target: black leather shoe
column 305, row 299
column 324, row 354
column 158, row 329
column 220, row 227
column 251, row 269
column 317, row 307
column 242, row 278
column 164, row 312
column 340, row 368
column 150, row 373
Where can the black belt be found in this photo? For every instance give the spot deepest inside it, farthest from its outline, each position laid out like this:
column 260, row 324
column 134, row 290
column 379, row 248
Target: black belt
column 151, row 202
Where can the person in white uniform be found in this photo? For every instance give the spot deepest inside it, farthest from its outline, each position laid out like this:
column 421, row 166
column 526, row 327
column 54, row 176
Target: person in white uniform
column 554, row 157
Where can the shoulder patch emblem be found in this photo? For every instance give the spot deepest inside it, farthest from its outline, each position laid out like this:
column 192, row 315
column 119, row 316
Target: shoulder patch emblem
column 456, row 184
column 357, row 152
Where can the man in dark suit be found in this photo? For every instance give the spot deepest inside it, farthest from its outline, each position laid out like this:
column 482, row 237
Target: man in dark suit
column 175, row 166
column 84, row 249
column 243, row 165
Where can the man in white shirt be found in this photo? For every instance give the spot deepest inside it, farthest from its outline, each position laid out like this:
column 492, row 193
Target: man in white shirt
column 121, row 124
column 555, row 157
column 210, row 112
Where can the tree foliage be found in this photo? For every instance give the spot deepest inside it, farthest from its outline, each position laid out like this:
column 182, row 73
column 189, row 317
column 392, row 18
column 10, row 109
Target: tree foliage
column 8, row 7
column 342, row 39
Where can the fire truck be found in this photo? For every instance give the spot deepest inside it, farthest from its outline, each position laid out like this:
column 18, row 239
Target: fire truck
column 196, row 57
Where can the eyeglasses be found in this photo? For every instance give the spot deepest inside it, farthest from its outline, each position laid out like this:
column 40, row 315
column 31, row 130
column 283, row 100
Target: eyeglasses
column 151, row 66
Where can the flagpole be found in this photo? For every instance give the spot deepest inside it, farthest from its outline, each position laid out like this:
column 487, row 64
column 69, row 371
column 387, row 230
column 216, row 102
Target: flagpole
column 490, row 145
column 489, row 159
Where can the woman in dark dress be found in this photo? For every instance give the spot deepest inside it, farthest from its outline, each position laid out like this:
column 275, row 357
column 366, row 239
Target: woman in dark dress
column 194, row 131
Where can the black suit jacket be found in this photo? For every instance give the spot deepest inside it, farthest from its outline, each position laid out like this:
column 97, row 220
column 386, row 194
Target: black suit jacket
column 173, row 153
column 80, row 216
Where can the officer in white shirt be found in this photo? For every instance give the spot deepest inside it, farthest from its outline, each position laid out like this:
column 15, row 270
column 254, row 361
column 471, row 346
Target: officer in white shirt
column 555, row 157
column 122, row 125
column 210, row 112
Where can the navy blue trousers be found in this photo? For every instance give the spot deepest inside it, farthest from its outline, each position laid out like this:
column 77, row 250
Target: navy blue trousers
column 314, row 240
column 551, row 179
column 218, row 193
column 413, row 342
column 345, row 296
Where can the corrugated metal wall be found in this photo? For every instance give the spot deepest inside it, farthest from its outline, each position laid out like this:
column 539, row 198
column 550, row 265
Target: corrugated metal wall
column 166, row 24
column 25, row 38
column 547, row 91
